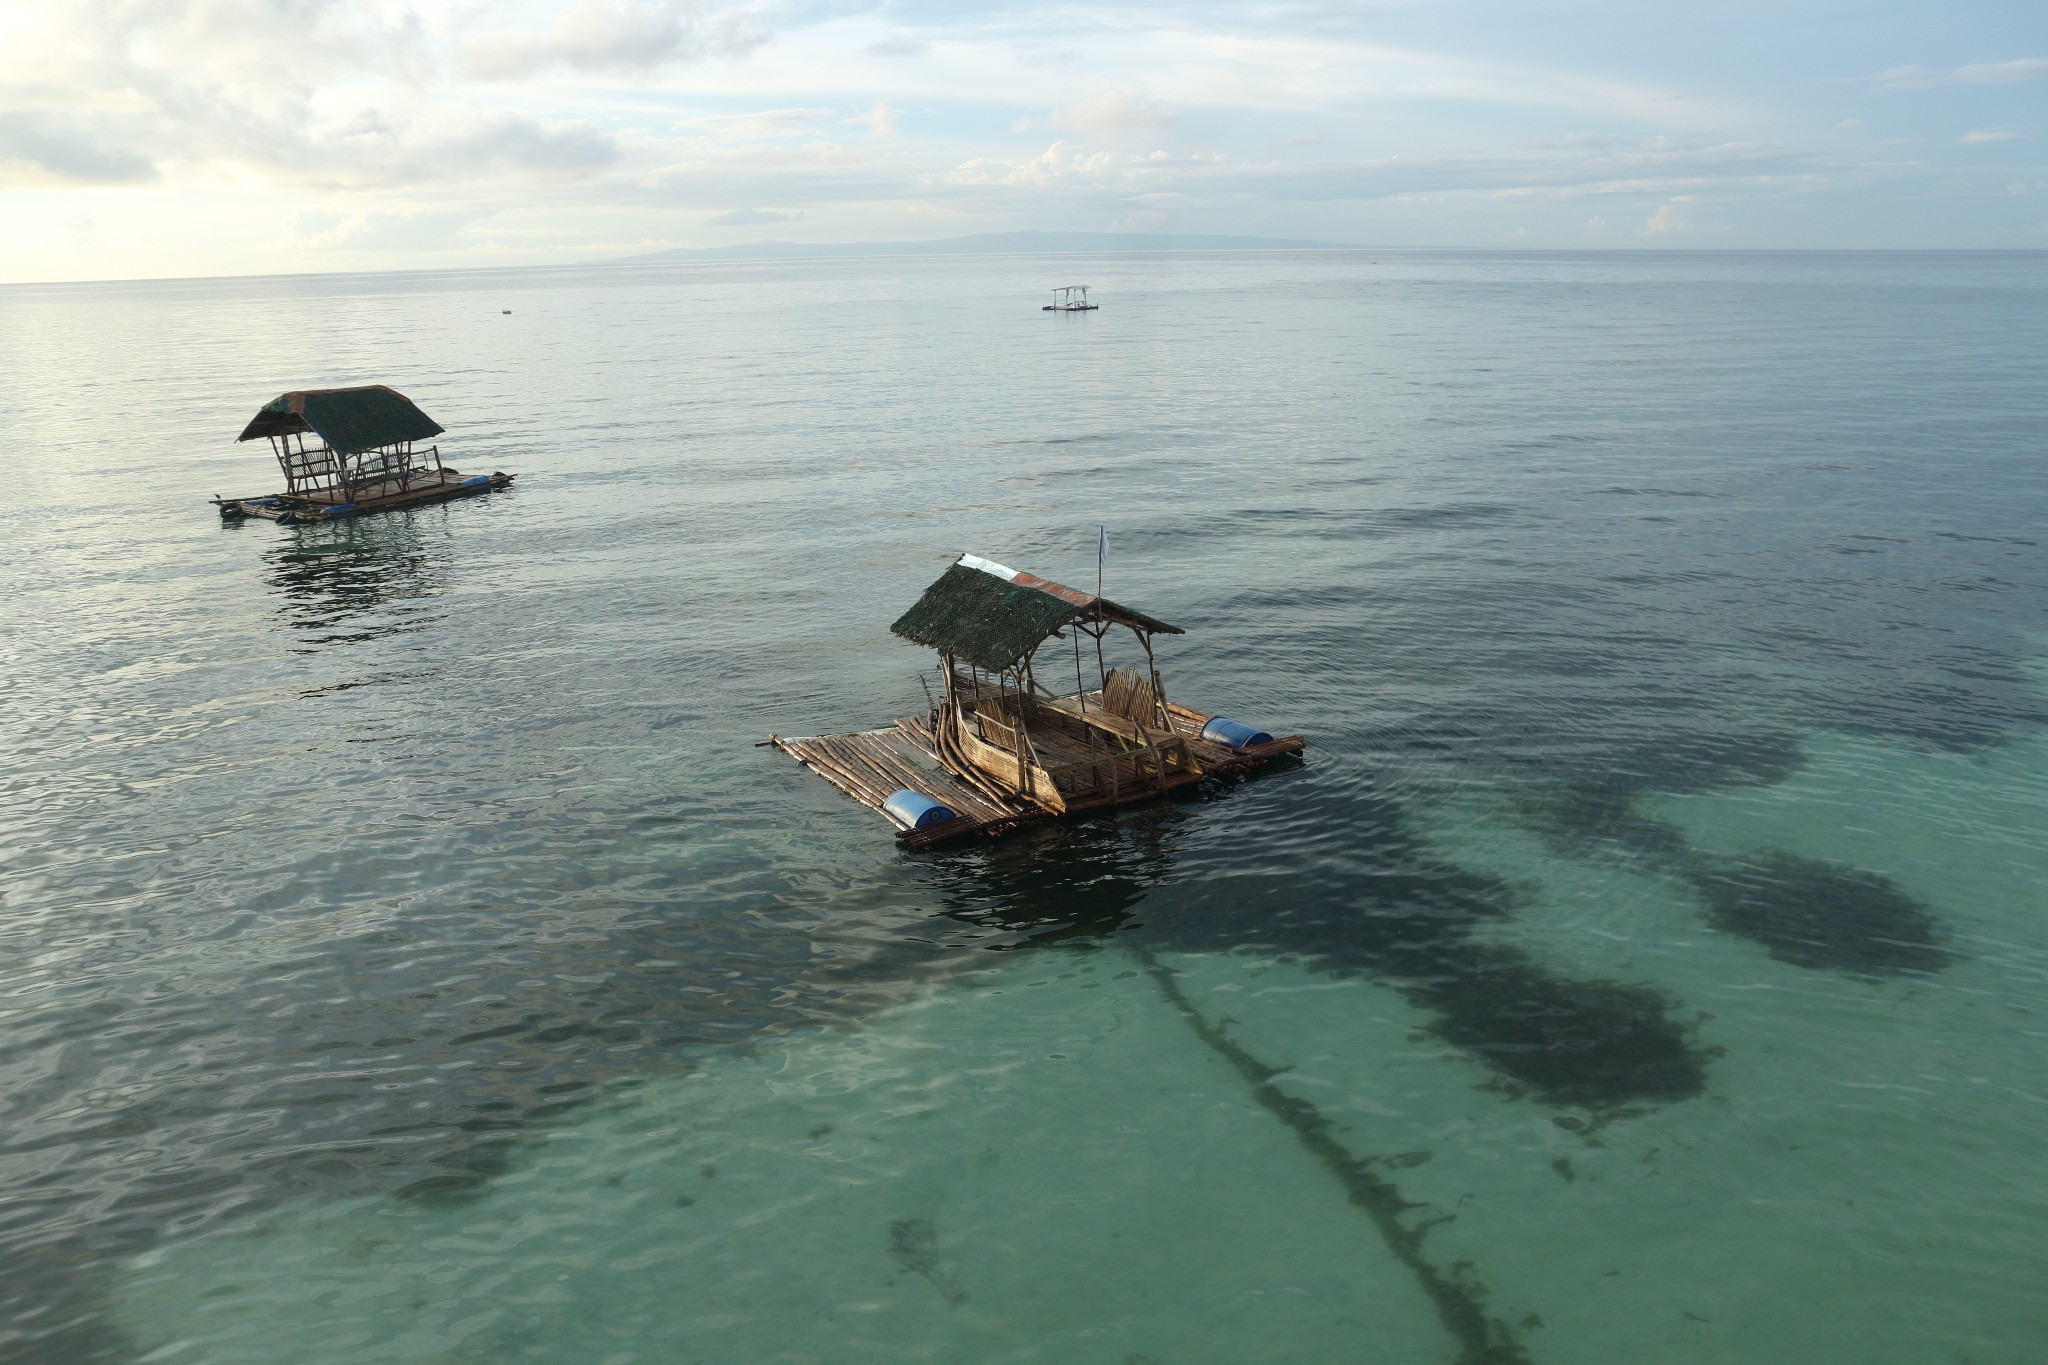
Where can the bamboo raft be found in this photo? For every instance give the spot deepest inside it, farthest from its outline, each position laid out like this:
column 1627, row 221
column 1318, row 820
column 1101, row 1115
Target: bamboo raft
column 364, row 457
column 1002, row 750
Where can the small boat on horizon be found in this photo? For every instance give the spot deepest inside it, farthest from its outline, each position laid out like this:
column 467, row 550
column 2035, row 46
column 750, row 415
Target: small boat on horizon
column 1000, row 749
column 367, row 458
column 1070, row 298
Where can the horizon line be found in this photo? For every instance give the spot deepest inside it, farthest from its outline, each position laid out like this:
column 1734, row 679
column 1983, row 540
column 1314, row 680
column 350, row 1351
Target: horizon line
column 648, row 259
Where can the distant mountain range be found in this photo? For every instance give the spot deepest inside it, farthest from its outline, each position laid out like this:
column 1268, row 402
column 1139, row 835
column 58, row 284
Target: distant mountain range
column 990, row 244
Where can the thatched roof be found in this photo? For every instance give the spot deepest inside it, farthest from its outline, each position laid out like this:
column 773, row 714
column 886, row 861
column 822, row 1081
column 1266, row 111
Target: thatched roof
column 992, row 616
column 348, row 420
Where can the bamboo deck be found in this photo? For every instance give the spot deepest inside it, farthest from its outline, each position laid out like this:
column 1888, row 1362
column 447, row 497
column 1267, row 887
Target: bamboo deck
column 446, row 484
column 1217, row 760
column 870, row 765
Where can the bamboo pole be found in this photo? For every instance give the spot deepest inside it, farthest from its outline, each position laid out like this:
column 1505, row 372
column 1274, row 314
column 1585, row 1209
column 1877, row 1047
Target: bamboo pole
column 957, row 764
column 1158, row 699
column 1027, row 744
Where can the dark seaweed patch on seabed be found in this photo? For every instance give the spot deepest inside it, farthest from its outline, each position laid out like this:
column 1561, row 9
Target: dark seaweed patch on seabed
column 1811, row 913
column 914, row 1245
column 1747, row 616
column 488, row 1023
column 1387, row 910
column 1596, row 1044
column 54, row 1306
column 1804, row 911
column 1460, row 1303
column 1820, row 915
column 1583, row 796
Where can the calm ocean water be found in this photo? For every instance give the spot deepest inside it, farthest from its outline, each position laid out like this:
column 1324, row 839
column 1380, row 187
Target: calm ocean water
column 408, row 956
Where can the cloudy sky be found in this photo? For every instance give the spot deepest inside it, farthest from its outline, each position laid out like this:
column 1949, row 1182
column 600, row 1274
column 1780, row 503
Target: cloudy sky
column 195, row 137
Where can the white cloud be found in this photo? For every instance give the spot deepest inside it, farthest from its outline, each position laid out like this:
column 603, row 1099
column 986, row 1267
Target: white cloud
column 1114, row 113
column 425, row 125
column 880, row 121
column 615, row 37
column 382, row 231
column 1668, row 218
column 499, row 143
column 762, row 122
column 898, row 45
column 750, row 218
column 2004, row 73
column 141, row 89
column 1906, row 78
column 368, row 149
column 40, row 147
column 1057, row 163
column 1984, row 73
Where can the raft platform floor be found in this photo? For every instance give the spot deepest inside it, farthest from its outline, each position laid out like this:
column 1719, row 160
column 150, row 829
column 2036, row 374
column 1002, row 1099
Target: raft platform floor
column 871, row 764
column 425, row 487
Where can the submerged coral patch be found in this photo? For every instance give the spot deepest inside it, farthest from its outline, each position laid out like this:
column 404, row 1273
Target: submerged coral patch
column 1822, row 915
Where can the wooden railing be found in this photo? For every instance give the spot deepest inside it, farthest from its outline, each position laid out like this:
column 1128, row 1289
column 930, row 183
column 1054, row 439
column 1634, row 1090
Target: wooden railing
column 320, row 470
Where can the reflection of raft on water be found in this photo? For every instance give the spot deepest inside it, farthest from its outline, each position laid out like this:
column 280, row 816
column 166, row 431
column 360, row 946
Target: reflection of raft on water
column 367, row 458
column 1001, row 749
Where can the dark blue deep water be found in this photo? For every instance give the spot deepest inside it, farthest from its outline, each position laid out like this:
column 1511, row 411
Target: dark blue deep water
column 407, row 955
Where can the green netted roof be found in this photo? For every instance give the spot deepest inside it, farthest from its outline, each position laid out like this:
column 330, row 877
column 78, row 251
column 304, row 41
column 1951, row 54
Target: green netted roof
column 993, row 619
column 348, row 420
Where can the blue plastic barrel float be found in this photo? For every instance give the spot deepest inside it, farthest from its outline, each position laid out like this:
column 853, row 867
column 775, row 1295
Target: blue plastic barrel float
column 1233, row 734
column 475, row 481
column 915, row 810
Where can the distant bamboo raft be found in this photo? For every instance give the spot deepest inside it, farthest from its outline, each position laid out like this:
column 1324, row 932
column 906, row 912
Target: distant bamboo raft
column 366, row 456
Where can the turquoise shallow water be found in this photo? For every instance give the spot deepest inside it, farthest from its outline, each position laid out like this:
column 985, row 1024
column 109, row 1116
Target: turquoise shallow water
column 408, row 956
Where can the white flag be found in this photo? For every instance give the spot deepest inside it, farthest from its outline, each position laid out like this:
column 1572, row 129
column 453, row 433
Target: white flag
column 1101, row 558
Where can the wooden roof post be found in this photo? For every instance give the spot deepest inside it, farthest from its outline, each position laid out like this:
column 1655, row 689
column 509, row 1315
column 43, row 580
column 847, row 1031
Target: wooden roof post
column 1158, row 687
